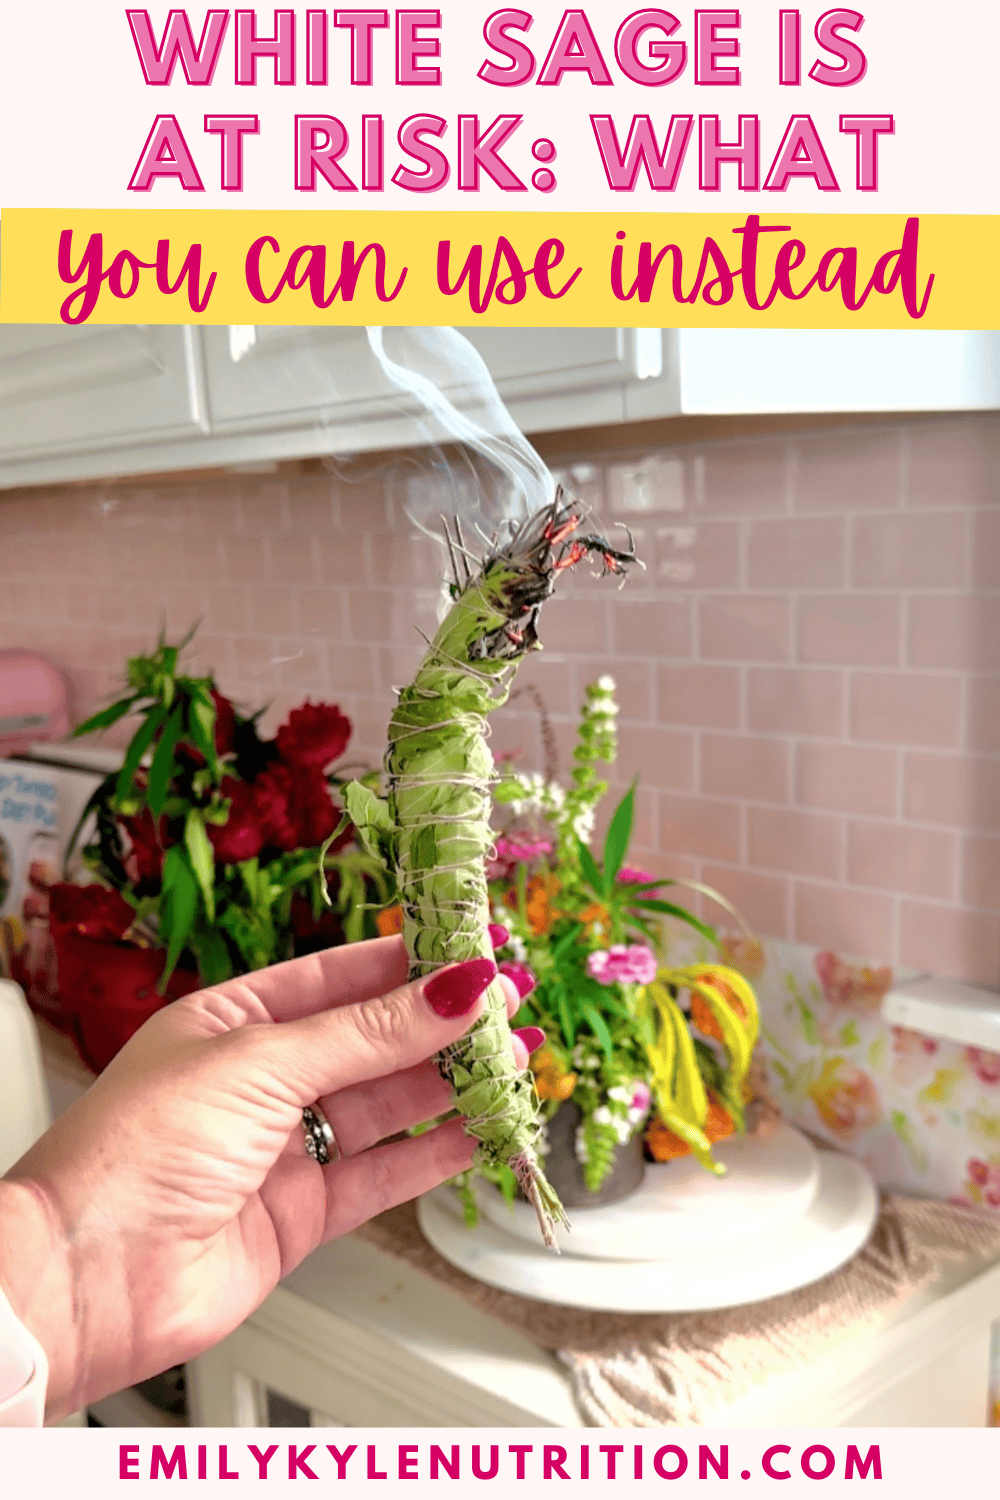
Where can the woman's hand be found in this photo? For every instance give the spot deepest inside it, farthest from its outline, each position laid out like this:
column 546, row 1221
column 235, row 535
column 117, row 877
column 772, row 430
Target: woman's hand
column 161, row 1209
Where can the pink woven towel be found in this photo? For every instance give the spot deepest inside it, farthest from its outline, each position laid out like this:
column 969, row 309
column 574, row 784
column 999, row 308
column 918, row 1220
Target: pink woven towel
column 659, row 1370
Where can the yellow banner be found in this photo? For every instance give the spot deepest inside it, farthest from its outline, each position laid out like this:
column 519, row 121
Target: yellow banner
column 790, row 270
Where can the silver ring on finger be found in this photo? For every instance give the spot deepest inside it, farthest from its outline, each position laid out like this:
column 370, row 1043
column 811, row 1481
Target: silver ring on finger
column 321, row 1143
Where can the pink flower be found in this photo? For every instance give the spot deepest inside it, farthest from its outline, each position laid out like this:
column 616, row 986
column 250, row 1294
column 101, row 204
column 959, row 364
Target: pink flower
column 629, row 875
column 640, row 1096
column 621, row 965
column 521, row 974
column 985, row 1065
column 521, row 850
column 978, row 1171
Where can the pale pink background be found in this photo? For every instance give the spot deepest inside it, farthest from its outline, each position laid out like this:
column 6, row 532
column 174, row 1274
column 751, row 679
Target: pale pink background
column 809, row 667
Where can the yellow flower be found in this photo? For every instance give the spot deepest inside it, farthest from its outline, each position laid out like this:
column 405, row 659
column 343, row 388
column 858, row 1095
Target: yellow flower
column 701, row 1012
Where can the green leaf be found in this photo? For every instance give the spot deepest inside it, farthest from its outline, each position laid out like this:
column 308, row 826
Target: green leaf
column 201, row 720
column 106, row 717
column 566, row 942
column 214, row 962
column 163, row 763
column 252, row 934
column 617, row 841
column 370, row 815
column 249, row 873
column 202, row 856
column 668, row 909
column 598, row 1026
column 591, row 873
column 179, row 907
column 565, row 1018
column 138, row 745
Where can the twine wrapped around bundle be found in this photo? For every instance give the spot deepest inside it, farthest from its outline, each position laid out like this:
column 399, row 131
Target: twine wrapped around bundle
column 433, row 827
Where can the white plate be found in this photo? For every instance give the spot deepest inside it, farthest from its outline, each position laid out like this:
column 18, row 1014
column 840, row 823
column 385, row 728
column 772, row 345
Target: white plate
column 835, row 1225
column 679, row 1209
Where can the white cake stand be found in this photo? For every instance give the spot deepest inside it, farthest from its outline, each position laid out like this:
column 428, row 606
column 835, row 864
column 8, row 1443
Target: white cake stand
column 783, row 1216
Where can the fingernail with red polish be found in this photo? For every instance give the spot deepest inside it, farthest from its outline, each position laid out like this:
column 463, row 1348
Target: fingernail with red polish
column 532, row 1037
column 499, row 936
column 453, row 992
column 523, row 979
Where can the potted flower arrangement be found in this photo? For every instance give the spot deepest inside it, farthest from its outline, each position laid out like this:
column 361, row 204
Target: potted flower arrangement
column 639, row 1057
column 206, row 853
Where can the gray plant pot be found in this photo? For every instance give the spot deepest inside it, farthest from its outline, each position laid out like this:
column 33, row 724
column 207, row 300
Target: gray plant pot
column 565, row 1172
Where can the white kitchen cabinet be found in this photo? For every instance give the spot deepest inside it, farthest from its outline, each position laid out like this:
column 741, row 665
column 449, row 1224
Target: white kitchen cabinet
column 95, row 402
column 87, row 402
column 66, row 392
column 321, row 386
column 734, row 370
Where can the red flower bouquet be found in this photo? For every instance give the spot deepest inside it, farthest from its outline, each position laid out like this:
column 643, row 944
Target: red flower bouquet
column 215, row 850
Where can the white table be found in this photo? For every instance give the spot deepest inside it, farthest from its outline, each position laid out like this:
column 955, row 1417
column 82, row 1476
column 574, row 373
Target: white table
column 356, row 1338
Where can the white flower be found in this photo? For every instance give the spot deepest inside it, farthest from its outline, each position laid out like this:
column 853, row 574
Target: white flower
column 622, row 1094
column 601, row 1115
column 606, row 684
column 517, row 947
column 583, row 824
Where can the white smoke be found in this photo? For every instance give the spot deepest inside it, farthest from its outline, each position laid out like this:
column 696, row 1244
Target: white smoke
column 455, row 401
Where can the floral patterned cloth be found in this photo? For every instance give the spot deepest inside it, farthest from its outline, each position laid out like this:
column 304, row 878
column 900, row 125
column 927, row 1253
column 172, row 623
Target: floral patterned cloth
column 923, row 1115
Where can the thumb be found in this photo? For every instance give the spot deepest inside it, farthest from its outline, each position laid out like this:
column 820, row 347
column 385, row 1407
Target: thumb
column 321, row 1054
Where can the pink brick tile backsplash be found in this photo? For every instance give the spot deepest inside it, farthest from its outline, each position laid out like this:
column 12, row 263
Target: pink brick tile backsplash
column 846, row 778
column 797, row 554
column 910, row 551
column 848, row 629
column 894, row 708
column 808, row 667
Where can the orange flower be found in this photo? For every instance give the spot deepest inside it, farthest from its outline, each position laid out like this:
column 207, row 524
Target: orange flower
column 537, row 903
column 719, row 1125
column 551, row 1079
column 665, row 1145
column 701, row 1013
column 595, row 915
column 389, row 921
